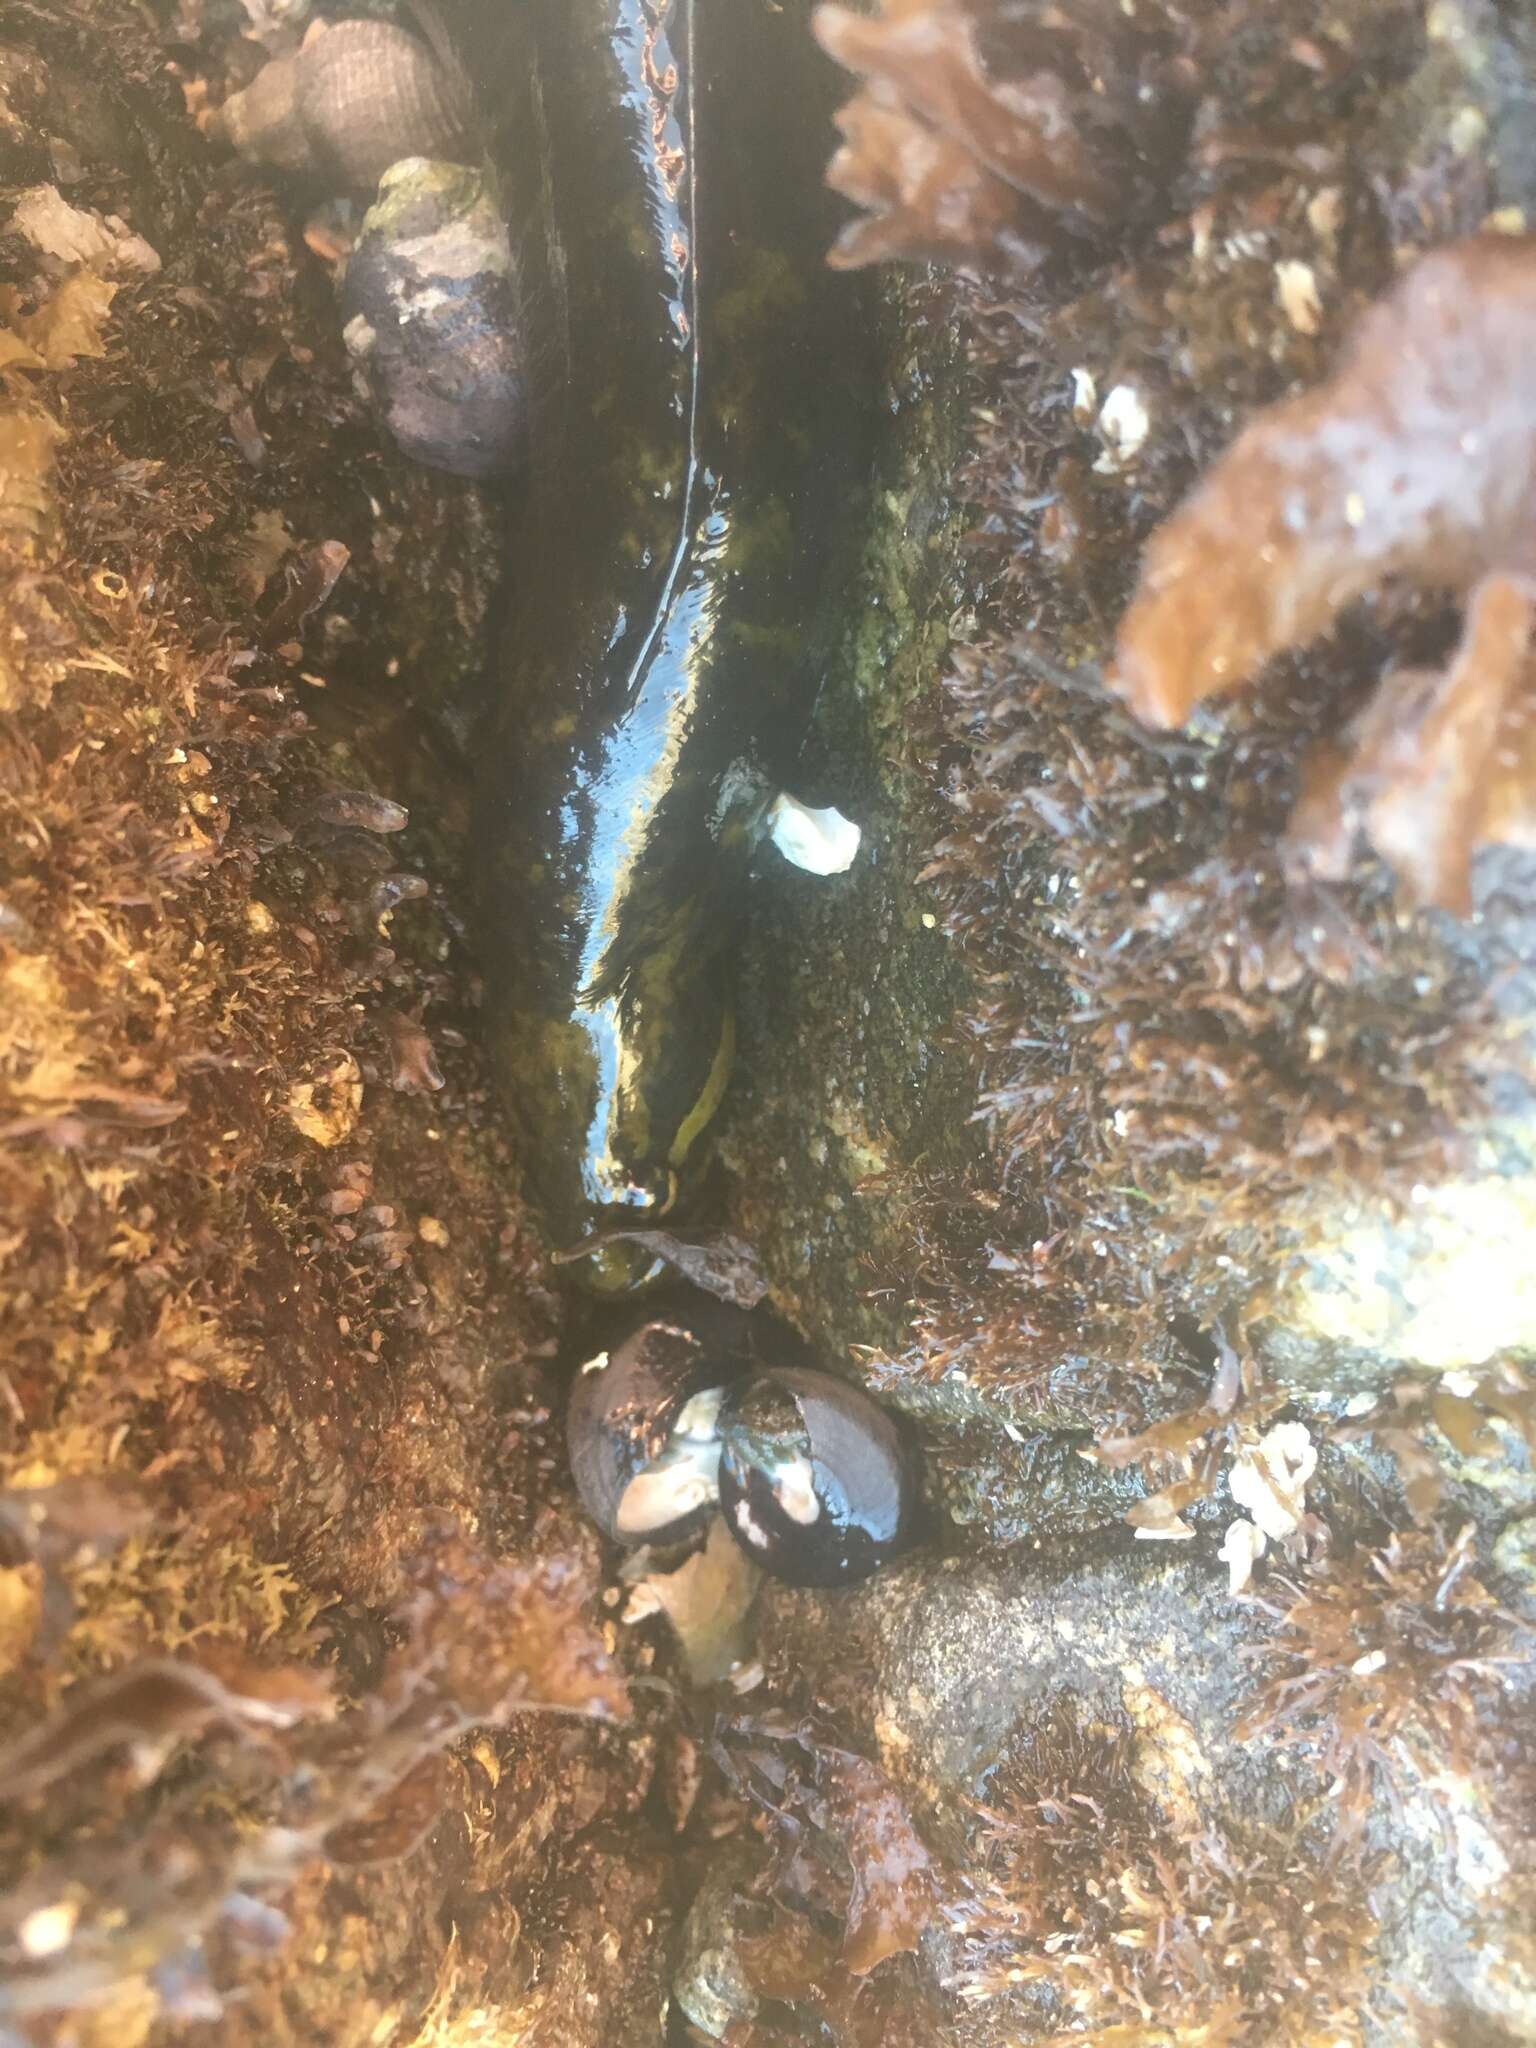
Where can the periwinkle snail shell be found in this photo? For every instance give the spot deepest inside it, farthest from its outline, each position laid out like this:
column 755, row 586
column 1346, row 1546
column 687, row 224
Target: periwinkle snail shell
column 354, row 100
column 816, row 1484
column 642, row 1430
column 429, row 311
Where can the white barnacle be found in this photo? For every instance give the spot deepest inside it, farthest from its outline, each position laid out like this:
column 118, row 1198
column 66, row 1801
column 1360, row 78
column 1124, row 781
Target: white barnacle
column 794, row 1488
column 1241, row 1548
column 359, row 335
column 751, row 1528
column 1123, row 424
column 1300, row 301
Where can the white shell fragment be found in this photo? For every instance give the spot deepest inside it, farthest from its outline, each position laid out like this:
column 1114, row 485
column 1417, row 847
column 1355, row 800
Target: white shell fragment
column 62, row 231
column 823, row 842
column 1123, row 424
column 49, row 1929
column 1300, row 300
column 1270, row 1478
column 1241, row 1548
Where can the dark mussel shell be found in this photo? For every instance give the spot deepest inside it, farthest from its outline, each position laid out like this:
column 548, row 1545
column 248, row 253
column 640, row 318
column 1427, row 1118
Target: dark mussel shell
column 816, row 1483
column 642, row 1432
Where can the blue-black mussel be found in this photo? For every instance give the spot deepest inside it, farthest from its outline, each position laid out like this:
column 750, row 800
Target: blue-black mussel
column 681, row 1417
column 816, row 1483
column 698, row 378
column 643, row 1429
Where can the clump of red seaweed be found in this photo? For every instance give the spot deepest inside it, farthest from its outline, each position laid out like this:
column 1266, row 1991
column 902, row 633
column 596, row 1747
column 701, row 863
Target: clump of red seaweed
column 1136, row 1923
column 1384, row 1664
column 1415, row 459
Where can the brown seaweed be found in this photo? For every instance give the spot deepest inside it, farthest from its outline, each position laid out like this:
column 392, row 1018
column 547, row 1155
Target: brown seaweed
column 149, row 1708
column 1439, row 763
column 975, row 137
column 196, row 1141
column 848, row 1848
column 1415, row 458
column 483, row 1641
column 721, row 1264
column 1385, row 1662
column 1142, row 1921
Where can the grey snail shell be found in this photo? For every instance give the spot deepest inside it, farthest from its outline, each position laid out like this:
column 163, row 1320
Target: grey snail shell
column 429, row 312
column 354, row 100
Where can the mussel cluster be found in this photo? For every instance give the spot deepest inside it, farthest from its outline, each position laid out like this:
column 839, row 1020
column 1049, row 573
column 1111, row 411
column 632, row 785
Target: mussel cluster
column 680, row 1421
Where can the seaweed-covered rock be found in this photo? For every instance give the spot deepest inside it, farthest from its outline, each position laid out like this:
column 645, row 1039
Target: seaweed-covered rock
column 302, row 1650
